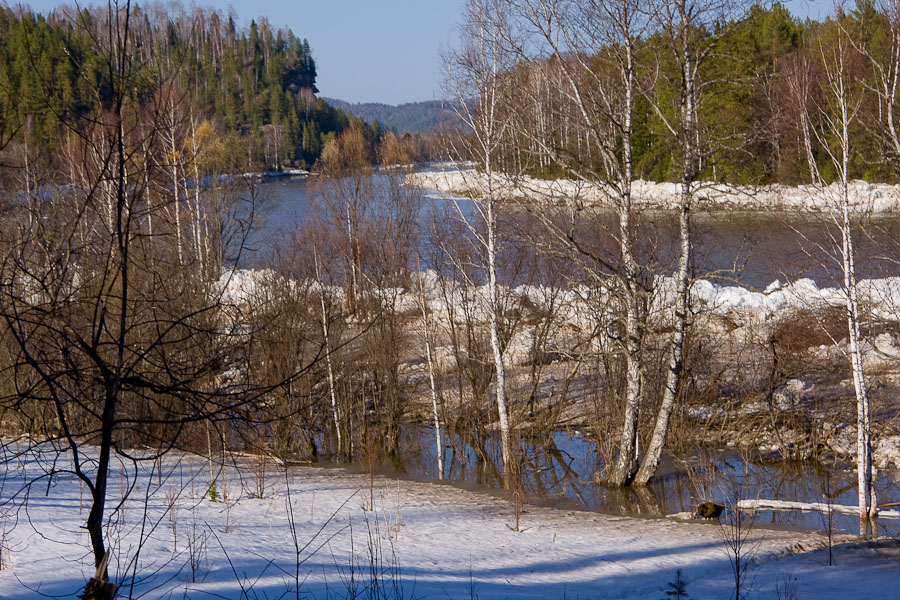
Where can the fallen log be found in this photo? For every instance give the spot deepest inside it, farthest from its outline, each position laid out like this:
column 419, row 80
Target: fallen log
column 810, row 506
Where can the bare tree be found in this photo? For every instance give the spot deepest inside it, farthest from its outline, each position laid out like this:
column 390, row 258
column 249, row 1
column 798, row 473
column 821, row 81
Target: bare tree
column 347, row 191
column 476, row 78
column 429, row 360
column 691, row 30
column 830, row 116
column 579, row 65
column 583, row 74
column 115, row 343
column 332, row 394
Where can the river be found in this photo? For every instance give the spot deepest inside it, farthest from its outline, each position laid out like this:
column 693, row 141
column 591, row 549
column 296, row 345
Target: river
column 744, row 247
column 749, row 248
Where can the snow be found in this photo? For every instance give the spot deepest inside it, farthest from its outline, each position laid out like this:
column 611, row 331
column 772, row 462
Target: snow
column 246, row 286
column 881, row 295
column 284, row 173
column 864, row 197
column 442, row 541
column 823, row 507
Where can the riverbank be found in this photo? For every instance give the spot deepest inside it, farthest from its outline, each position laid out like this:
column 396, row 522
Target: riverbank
column 864, row 197
column 800, row 408
column 423, row 540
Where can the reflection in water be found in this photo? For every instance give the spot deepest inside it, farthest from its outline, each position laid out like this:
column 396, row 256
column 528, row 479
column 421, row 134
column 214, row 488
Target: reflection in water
column 752, row 248
column 561, row 470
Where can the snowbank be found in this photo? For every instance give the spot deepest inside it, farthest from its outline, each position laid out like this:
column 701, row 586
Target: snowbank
column 430, row 541
column 275, row 174
column 880, row 296
column 864, row 197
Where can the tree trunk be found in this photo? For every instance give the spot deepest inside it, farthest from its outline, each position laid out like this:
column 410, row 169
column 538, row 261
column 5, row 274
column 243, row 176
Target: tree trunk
column 496, row 347
column 626, row 461
column 690, row 166
column 326, row 339
column 439, row 446
column 650, row 462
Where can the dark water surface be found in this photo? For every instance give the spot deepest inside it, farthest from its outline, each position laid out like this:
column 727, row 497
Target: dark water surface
column 731, row 247
column 563, row 471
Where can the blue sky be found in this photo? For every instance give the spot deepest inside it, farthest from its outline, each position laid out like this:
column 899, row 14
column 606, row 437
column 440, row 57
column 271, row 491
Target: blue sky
column 380, row 50
column 369, row 50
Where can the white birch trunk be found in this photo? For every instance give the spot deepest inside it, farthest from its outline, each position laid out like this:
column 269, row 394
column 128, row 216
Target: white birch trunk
column 351, row 260
column 676, row 348
column 480, row 71
column 863, row 433
column 175, row 185
column 328, row 365
column 197, row 219
column 439, row 445
column 690, row 165
column 634, row 321
column 494, row 309
column 837, row 79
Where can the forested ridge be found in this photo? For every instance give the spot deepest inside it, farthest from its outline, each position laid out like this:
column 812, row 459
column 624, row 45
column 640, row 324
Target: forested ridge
column 430, row 116
column 256, row 84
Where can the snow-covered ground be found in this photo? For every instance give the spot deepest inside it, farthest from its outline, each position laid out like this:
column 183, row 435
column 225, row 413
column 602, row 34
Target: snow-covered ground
column 274, row 174
column 428, row 540
column 881, row 296
column 864, row 197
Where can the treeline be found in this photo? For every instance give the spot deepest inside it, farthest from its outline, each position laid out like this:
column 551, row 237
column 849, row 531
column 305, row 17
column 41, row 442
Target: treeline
column 256, row 84
column 431, row 116
column 761, row 72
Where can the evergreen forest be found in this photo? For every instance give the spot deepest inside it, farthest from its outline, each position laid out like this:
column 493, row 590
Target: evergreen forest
column 254, row 89
column 762, row 70
column 254, row 86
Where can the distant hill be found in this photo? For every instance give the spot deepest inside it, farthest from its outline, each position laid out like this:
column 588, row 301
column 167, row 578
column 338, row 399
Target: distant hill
column 412, row 117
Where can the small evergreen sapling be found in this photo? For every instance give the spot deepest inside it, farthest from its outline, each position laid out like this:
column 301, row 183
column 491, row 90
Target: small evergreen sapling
column 677, row 588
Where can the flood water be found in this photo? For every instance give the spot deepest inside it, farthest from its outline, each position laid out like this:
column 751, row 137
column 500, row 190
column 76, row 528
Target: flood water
column 563, row 471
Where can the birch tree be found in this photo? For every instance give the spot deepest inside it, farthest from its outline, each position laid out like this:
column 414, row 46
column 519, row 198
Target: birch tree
column 347, row 190
column 835, row 112
column 429, row 363
column 332, row 394
column 579, row 66
column 690, row 31
column 476, row 78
